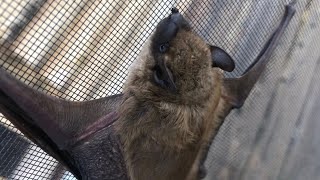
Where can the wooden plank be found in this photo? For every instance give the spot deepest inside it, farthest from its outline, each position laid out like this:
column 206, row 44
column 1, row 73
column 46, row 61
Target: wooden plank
column 41, row 32
column 107, row 52
column 10, row 14
column 303, row 153
column 25, row 55
column 288, row 102
column 252, row 142
column 63, row 59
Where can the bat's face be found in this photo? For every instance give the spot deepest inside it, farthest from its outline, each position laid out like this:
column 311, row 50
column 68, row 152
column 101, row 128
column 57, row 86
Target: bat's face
column 175, row 65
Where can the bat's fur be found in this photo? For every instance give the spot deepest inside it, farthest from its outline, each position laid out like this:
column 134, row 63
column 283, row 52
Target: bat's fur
column 163, row 132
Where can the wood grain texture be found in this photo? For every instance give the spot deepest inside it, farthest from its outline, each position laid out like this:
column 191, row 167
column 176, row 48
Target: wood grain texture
column 254, row 141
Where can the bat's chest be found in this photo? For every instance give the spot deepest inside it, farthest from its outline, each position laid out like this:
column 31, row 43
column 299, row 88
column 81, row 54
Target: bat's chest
column 177, row 127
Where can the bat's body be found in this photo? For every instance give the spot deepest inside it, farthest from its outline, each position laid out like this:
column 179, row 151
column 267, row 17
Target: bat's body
column 164, row 125
column 173, row 103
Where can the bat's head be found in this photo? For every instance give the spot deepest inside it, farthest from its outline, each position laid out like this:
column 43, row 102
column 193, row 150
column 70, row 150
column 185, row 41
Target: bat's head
column 176, row 64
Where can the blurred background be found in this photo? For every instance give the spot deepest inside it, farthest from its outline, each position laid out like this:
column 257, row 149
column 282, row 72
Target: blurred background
column 82, row 49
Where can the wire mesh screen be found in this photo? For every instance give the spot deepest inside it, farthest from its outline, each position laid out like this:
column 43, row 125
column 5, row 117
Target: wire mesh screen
column 81, row 50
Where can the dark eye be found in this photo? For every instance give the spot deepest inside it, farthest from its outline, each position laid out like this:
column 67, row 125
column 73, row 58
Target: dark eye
column 164, row 47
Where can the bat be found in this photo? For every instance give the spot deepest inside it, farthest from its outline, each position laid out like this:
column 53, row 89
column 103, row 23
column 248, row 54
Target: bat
column 160, row 127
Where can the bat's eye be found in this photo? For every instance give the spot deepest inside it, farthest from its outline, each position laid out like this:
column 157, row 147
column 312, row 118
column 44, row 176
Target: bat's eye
column 164, row 47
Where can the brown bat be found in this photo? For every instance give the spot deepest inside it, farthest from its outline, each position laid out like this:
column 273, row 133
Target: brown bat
column 173, row 103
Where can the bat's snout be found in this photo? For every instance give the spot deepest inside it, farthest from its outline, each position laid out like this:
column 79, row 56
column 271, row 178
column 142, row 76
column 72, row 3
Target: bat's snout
column 168, row 28
column 177, row 19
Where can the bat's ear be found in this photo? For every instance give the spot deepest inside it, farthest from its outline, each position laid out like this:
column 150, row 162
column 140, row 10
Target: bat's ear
column 221, row 59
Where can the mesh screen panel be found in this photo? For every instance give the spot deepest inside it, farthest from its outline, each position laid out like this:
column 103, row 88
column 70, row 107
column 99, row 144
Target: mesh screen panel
column 81, row 50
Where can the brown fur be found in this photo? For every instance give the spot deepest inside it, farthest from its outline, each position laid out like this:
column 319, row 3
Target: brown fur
column 163, row 132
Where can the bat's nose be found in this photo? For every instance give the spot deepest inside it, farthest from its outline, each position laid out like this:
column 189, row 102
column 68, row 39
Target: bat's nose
column 178, row 19
column 174, row 10
column 168, row 28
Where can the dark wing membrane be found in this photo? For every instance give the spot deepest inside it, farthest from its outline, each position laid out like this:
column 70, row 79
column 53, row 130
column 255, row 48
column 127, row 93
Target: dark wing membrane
column 21, row 119
column 50, row 122
column 238, row 89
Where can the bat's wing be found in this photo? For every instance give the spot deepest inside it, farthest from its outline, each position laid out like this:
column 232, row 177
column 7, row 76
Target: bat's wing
column 52, row 123
column 236, row 90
